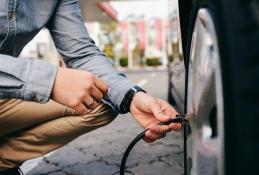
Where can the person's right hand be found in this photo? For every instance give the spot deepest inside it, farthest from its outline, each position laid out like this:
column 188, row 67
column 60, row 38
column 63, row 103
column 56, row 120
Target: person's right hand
column 78, row 89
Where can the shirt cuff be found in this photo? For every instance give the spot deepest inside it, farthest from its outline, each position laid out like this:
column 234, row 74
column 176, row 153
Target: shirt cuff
column 117, row 91
column 41, row 77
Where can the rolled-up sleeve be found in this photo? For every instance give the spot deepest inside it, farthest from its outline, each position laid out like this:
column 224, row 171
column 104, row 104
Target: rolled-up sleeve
column 27, row 79
column 79, row 50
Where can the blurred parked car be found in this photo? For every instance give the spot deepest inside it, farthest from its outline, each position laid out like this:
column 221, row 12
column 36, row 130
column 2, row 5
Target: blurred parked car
column 216, row 81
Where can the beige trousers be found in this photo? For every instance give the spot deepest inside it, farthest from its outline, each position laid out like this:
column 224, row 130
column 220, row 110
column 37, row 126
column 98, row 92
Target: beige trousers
column 29, row 130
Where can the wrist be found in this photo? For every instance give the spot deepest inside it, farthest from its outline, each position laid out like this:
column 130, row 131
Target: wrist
column 128, row 98
column 136, row 98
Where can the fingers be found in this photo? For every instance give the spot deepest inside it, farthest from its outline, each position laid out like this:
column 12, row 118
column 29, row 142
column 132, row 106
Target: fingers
column 167, row 108
column 151, row 137
column 158, row 113
column 90, row 102
column 175, row 126
column 81, row 109
column 156, row 132
column 101, row 85
column 164, row 112
column 96, row 94
column 148, row 140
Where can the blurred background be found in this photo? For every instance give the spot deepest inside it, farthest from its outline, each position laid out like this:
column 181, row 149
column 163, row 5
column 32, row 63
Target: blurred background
column 142, row 38
column 133, row 34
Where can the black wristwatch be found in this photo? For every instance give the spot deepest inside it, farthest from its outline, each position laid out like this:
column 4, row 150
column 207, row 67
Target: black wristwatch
column 125, row 104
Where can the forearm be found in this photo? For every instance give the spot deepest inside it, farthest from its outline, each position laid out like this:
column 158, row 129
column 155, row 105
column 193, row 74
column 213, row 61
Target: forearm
column 26, row 79
column 80, row 52
column 104, row 69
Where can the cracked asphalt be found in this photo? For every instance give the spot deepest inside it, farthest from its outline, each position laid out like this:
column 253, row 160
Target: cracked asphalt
column 100, row 152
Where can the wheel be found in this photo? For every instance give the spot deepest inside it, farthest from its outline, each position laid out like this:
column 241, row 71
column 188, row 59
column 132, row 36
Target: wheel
column 223, row 87
column 205, row 98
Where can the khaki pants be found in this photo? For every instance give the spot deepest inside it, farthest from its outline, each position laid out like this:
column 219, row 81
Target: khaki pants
column 29, row 130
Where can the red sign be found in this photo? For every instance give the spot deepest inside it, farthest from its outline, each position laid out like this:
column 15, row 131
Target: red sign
column 124, row 28
column 106, row 7
column 158, row 33
column 141, row 32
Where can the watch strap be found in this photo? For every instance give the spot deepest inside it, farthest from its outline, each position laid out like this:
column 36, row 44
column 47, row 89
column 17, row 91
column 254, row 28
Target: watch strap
column 126, row 101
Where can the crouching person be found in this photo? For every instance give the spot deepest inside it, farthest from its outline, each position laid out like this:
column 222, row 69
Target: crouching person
column 43, row 106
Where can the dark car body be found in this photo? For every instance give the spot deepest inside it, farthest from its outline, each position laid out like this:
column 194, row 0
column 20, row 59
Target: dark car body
column 177, row 45
column 199, row 88
column 216, row 83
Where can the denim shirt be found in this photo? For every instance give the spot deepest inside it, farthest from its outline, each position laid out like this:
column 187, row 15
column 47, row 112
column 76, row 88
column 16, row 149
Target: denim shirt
column 31, row 79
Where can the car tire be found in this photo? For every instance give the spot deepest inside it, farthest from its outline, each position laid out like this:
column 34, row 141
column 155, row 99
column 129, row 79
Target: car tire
column 237, row 29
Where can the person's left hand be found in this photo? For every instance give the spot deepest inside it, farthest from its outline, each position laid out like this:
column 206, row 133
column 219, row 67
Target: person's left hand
column 149, row 112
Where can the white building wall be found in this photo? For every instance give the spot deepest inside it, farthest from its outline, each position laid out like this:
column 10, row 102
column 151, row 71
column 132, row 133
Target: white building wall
column 41, row 47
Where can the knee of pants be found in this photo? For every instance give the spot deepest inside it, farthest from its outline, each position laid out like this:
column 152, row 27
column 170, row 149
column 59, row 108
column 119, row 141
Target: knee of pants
column 99, row 118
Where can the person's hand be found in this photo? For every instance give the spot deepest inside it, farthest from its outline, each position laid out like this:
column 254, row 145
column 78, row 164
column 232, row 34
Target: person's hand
column 78, row 89
column 149, row 112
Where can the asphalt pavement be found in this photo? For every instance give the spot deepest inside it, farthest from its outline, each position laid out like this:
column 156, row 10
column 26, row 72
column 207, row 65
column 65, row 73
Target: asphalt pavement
column 100, row 152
